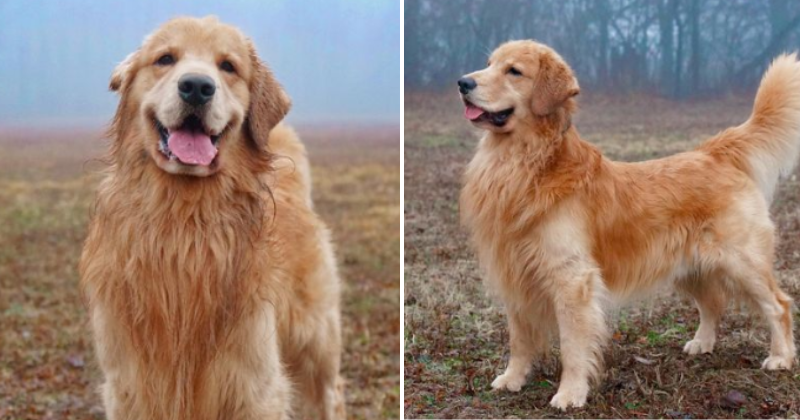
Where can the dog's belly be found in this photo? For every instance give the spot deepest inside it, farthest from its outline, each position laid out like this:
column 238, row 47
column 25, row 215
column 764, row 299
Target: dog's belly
column 641, row 277
column 635, row 258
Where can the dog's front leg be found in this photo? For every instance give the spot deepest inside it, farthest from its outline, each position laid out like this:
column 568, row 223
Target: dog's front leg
column 582, row 333
column 529, row 339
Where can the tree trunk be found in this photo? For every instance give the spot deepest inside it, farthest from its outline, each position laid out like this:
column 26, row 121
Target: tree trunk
column 666, row 23
column 603, row 13
column 694, row 22
column 678, row 90
column 412, row 64
column 778, row 18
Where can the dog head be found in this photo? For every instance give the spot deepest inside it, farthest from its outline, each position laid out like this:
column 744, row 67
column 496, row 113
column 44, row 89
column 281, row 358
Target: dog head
column 192, row 93
column 523, row 80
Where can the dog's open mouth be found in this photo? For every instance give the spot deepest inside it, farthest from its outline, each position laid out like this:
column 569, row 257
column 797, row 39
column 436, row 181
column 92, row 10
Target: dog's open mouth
column 189, row 144
column 477, row 114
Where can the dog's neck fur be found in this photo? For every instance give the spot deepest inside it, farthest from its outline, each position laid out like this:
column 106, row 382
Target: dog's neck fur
column 539, row 144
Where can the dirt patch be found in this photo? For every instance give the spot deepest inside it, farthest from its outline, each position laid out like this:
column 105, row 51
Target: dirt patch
column 456, row 341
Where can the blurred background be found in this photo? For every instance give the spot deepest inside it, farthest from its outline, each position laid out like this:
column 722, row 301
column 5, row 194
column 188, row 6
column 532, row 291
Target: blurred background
column 657, row 78
column 674, row 48
column 339, row 60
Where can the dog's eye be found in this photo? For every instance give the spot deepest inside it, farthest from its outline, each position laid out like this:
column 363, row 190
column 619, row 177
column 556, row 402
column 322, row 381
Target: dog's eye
column 514, row 71
column 227, row 66
column 165, row 60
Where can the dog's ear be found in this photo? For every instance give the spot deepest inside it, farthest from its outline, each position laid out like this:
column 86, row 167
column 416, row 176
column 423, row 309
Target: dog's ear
column 122, row 72
column 269, row 103
column 555, row 84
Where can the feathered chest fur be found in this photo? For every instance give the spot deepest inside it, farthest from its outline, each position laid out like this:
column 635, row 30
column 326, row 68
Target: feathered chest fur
column 511, row 185
column 177, row 267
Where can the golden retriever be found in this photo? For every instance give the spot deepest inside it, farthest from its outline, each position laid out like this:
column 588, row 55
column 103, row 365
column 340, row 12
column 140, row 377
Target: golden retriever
column 211, row 283
column 561, row 231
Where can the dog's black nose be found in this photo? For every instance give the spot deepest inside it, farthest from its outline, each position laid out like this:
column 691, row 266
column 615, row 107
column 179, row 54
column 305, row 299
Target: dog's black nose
column 196, row 89
column 466, row 84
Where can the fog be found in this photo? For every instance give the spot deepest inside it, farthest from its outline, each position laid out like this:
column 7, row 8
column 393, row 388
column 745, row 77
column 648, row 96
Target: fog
column 339, row 60
column 681, row 49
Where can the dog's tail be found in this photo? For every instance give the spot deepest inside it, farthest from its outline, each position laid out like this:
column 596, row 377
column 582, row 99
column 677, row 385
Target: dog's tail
column 768, row 144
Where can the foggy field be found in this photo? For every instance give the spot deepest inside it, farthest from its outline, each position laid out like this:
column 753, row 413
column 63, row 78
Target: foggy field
column 456, row 340
column 47, row 183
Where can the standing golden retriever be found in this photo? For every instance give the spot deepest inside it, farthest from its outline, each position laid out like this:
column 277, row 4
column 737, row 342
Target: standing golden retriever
column 559, row 228
column 211, row 283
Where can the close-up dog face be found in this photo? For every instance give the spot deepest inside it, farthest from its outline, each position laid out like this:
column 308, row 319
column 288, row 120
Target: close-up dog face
column 522, row 80
column 190, row 89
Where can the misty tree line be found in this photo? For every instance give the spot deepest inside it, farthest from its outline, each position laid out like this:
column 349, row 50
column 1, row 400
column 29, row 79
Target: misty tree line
column 676, row 48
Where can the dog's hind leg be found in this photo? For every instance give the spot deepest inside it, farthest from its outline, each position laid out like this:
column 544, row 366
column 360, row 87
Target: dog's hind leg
column 582, row 333
column 710, row 296
column 746, row 256
column 529, row 338
column 761, row 289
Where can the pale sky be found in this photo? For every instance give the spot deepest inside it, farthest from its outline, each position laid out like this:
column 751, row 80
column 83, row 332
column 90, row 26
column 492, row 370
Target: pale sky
column 338, row 59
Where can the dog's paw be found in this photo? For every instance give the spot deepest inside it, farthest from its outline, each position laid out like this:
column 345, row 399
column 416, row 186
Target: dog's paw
column 510, row 381
column 698, row 347
column 566, row 398
column 777, row 362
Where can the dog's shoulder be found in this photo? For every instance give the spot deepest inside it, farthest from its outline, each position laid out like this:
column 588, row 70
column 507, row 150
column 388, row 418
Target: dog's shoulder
column 290, row 164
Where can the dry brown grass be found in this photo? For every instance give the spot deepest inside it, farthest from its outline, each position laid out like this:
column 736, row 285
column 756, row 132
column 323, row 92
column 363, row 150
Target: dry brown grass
column 456, row 338
column 47, row 369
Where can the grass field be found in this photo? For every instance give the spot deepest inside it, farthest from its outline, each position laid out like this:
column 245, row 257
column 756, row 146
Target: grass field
column 47, row 182
column 456, row 341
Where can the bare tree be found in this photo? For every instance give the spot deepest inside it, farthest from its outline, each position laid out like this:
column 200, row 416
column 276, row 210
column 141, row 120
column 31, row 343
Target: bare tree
column 679, row 48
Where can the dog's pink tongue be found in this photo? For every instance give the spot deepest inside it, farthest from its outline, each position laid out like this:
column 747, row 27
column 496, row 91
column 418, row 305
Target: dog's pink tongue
column 190, row 147
column 472, row 112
